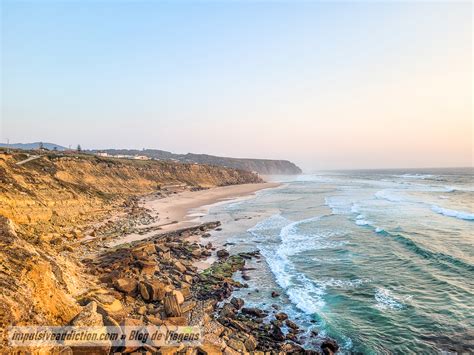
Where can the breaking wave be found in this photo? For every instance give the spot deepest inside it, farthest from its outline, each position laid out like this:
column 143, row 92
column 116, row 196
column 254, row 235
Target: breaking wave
column 453, row 213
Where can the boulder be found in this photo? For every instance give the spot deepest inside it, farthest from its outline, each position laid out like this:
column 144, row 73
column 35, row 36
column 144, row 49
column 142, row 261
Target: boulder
column 277, row 334
column 222, row 253
column 179, row 296
column 281, row 316
column 88, row 317
column 329, row 346
column 250, row 343
column 148, row 267
column 291, row 324
column 126, row 285
column 255, row 312
column 238, row 303
column 172, row 306
column 228, row 311
column 236, row 345
column 180, row 267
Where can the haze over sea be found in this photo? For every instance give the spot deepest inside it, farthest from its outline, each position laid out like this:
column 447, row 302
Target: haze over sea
column 381, row 260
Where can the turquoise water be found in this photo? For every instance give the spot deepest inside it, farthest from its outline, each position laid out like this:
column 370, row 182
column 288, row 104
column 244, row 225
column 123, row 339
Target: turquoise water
column 383, row 261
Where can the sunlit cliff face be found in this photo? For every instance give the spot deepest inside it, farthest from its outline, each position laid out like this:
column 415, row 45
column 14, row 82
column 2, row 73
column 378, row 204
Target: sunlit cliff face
column 327, row 85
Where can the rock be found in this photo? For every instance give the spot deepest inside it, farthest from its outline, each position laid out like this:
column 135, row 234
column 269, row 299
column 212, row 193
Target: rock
column 229, row 351
column 172, row 307
column 88, row 317
column 181, row 321
column 238, row 303
column 275, row 294
column 245, row 277
column 228, row 311
column 148, row 267
column 208, row 245
column 206, row 235
column 329, row 346
column 196, row 253
column 277, row 334
column 291, row 324
column 236, row 345
column 281, row 316
column 209, row 349
column 153, row 290
column 222, row 253
column 161, row 248
column 180, row 267
column 142, row 287
column 141, row 310
column 187, row 306
column 179, row 296
column 155, row 320
column 250, row 343
column 255, row 312
column 126, row 285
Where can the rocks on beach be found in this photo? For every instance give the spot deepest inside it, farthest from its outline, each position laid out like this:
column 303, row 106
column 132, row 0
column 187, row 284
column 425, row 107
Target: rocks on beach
column 155, row 282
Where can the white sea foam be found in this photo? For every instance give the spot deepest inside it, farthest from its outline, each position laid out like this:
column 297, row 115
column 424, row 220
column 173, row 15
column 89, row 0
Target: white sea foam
column 387, row 300
column 343, row 283
column 305, row 294
column 389, row 195
column 417, row 176
column 453, row 213
column 363, row 222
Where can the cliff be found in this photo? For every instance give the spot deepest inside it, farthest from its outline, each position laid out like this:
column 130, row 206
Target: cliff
column 58, row 189
column 46, row 206
column 261, row 166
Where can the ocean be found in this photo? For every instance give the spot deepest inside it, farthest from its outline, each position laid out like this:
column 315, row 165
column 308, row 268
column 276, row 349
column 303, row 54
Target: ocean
column 380, row 260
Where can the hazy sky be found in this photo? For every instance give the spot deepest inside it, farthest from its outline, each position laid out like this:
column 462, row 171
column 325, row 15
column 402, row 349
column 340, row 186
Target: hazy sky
column 324, row 84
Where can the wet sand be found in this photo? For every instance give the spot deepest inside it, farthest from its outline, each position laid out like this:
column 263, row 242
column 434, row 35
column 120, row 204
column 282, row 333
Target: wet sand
column 183, row 209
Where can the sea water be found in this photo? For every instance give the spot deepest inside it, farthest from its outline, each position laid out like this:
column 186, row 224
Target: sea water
column 382, row 261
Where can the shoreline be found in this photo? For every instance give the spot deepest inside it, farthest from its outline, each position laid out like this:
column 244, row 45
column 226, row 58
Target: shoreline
column 182, row 209
column 176, row 277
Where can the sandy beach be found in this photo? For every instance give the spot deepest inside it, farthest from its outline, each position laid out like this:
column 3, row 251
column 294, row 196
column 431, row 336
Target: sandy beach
column 182, row 209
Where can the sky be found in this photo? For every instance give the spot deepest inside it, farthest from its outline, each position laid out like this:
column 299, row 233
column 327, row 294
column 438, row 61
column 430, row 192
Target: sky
column 327, row 85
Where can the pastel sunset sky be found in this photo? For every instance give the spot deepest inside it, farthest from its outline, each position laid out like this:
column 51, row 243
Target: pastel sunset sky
column 325, row 84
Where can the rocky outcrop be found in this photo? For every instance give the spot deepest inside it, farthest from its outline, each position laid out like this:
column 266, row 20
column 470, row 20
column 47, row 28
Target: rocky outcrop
column 185, row 296
column 37, row 286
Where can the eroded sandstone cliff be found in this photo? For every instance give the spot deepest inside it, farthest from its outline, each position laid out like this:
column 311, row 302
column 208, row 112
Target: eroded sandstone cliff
column 47, row 201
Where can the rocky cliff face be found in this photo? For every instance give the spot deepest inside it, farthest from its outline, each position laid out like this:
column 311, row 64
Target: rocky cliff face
column 56, row 191
column 45, row 205
column 261, row 166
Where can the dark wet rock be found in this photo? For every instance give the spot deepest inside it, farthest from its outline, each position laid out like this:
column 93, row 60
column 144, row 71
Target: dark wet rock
column 277, row 333
column 281, row 316
column 222, row 253
column 329, row 346
column 228, row 311
column 254, row 312
column 275, row 294
column 245, row 277
column 238, row 303
column 291, row 324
